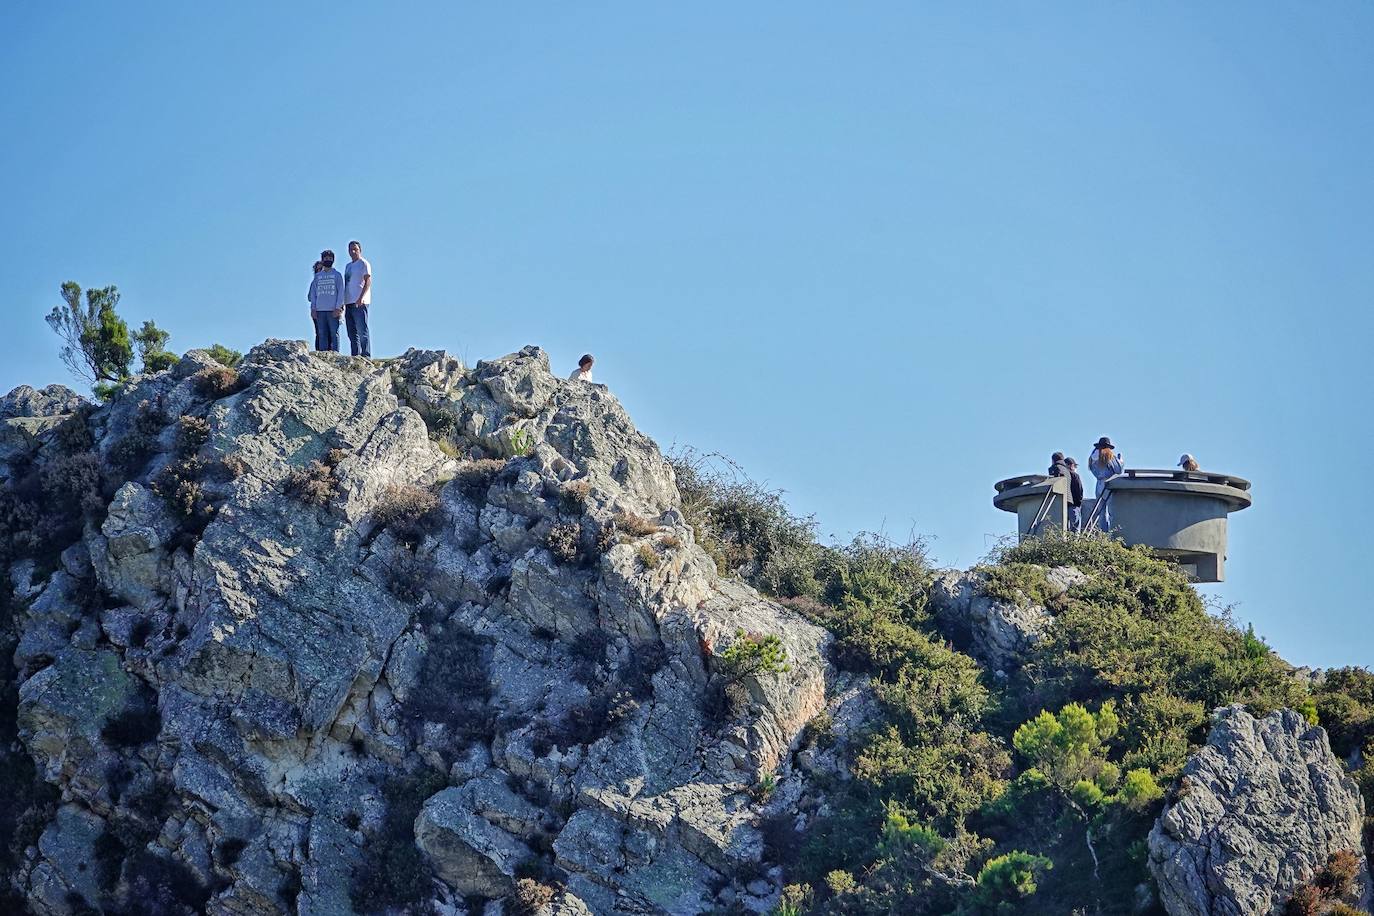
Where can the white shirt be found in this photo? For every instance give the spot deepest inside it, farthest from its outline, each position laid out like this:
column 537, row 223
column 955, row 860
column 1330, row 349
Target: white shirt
column 353, row 280
column 581, row 375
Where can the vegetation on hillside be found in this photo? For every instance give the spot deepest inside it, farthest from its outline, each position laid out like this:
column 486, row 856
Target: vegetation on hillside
column 1032, row 792
column 98, row 347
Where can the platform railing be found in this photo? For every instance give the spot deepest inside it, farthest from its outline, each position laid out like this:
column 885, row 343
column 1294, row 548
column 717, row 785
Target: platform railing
column 1226, row 480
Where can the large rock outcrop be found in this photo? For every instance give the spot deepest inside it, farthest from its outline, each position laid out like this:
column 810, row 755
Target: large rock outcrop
column 996, row 630
column 316, row 589
column 1257, row 812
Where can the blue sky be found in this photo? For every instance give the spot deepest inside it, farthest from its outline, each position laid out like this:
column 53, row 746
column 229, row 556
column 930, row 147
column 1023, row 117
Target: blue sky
column 882, row 254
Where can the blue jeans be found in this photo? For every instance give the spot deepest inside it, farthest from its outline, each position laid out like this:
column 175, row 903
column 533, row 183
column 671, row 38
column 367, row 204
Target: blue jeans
column 326, row 331
column 1075, row 518
column 359, row 341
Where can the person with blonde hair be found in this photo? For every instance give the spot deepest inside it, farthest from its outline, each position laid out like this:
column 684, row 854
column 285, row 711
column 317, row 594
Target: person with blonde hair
column 1105, row 463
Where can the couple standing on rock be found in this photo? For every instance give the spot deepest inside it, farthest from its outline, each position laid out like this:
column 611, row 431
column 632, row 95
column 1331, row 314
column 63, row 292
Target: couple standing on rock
column 348, row 296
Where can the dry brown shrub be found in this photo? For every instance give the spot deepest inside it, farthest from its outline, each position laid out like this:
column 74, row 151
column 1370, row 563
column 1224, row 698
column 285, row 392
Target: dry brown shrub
column 1306, row 900
column 572, row 497
column 1337, row 876
column 192, row 433
column 531, row 896
column 233, row 467
column 313, row 484
column 407, row 511
column 217, row 382
column 670, row 542
column 635, row 525
column 564, row 541
column 476, row 477
column 606, row 537
column 648, row 556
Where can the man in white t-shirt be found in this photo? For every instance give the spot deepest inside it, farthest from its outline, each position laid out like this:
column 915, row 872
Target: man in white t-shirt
column 583, row 372
column 357, row 298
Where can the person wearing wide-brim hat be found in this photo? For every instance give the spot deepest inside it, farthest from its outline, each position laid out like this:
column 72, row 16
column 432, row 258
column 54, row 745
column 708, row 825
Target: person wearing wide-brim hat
column 1105, row 464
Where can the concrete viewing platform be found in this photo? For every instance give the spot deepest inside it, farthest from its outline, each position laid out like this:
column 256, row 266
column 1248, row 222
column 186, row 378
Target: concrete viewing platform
column 1181, row 514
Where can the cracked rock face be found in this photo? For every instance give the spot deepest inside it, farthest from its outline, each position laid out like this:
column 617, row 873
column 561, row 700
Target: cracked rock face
column 536, row 644
column 998, row 632
column 1258, row 811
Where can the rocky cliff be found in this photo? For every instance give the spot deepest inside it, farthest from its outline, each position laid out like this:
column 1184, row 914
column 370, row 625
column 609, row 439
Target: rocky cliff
column 320, row 635
column 334, row 611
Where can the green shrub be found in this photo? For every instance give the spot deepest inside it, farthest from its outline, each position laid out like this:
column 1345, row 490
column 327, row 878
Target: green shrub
column 940, row 777
column 1067, row 746
column 521, row 442
column 1345, row 708
column 752, row 655
column 151, row 342
column 223, row 355
column 795, row 900
column 158, row 361
column 1140, row 790
column 1010, row 878
column 1016, row 583
column 1137, row 633
column 745, row 527
column 901, row 834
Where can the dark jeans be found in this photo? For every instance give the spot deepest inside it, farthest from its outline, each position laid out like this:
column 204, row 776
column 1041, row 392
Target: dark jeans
column 359, row 342
column 1075, row 518
column 326, row 331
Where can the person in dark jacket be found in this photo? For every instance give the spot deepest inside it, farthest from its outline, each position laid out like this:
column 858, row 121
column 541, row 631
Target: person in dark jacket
column 1057, row 466
column 1075, row 496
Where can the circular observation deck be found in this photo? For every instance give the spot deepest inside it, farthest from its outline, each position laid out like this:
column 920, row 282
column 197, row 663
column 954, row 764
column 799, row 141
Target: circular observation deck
column 1181, row 514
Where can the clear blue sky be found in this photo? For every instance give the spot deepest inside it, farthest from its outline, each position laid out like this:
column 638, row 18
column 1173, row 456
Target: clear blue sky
column 881, row 254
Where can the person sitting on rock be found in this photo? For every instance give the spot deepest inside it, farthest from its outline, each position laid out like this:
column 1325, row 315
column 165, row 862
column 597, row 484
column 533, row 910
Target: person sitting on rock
column 1075, row 496
column 583, row 372
column 1105, row 464
column 1187, row 462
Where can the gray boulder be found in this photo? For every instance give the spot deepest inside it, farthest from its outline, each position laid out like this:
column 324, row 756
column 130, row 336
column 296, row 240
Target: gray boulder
column 51, row 401
column 475, row 836
column 1257, row 812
